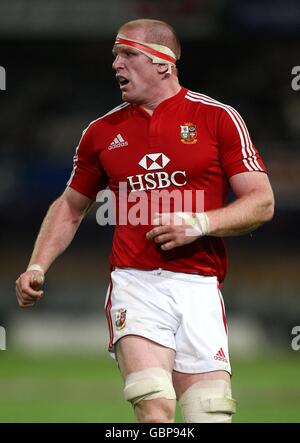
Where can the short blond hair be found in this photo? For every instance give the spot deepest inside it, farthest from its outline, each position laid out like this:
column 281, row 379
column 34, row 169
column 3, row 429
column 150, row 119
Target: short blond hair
column 156, row 31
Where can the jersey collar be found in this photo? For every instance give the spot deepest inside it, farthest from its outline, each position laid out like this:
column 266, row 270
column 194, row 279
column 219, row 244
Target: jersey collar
column 162, row 105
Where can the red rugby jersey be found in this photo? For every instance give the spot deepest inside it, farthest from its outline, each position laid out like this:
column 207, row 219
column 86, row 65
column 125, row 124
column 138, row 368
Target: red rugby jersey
column 191, row 142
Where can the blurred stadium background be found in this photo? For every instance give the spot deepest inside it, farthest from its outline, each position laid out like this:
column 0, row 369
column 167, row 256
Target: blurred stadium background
column 57, row 57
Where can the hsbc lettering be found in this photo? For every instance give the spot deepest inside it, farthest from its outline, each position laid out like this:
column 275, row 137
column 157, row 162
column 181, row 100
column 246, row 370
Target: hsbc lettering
column 156, row 180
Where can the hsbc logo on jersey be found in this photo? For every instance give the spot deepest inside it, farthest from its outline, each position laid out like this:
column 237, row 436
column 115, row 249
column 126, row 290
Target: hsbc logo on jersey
column 154, row 161
column 155, row 180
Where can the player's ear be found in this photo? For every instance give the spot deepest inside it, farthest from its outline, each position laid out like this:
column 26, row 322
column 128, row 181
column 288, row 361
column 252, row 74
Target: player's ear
column 162, row 68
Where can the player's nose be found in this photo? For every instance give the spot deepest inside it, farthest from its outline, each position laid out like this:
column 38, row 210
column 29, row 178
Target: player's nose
column 118, row 63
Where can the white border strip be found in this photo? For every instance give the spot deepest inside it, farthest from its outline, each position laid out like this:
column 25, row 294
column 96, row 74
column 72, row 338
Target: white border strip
column 249, row 155
column 75, row 158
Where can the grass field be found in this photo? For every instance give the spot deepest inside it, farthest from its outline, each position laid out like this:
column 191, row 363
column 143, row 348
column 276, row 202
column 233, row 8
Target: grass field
column 89, row 389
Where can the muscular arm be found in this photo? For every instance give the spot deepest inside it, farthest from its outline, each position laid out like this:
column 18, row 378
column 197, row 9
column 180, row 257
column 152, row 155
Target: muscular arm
column 59, row 227
column 57, row 231
column 253, row 206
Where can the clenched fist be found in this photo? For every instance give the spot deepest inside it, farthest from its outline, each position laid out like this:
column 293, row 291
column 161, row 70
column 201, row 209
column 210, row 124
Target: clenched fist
column 29, row 288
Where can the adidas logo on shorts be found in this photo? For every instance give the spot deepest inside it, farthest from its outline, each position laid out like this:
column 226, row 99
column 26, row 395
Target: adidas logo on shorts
column 221, row 356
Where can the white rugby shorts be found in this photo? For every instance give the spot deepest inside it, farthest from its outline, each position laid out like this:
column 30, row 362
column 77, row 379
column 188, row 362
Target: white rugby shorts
column 184, row 312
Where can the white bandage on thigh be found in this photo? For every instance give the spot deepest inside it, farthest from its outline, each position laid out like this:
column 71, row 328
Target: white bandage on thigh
column 149, row 384
column 208, row 401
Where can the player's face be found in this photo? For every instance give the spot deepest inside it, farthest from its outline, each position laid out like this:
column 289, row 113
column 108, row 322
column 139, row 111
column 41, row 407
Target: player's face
column 135, row 72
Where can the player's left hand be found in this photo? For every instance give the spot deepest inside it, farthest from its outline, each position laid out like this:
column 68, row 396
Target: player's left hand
column 173, row 230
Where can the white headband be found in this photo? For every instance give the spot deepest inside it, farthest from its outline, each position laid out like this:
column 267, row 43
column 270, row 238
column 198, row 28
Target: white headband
column 157, row 53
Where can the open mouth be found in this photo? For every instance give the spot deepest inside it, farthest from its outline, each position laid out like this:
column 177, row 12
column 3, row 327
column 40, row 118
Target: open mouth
column 122, row 80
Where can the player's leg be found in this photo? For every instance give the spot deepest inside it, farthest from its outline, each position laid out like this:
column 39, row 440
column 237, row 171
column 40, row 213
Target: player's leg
column 202, row 369
column 142, row 325
column 146, row 368
column 206, row 397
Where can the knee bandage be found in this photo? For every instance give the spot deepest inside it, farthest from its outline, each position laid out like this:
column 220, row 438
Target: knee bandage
column 149, row 384
column 208, row 401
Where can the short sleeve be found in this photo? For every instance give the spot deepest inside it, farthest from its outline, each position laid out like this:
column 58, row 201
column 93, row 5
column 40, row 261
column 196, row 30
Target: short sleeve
column 237, row 152
column 88, row 176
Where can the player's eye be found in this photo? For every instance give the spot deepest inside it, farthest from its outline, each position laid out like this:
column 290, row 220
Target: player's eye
column 130, row 54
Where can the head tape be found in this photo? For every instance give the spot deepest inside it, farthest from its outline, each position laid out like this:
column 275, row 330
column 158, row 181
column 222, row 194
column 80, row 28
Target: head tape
column 158, row 53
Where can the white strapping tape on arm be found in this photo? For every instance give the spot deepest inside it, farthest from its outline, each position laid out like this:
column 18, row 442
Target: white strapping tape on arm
column 35, row 267
column 198, row 221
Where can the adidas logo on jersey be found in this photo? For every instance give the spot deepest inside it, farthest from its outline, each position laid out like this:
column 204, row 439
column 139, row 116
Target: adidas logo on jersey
column 118, row 142
column 220, row 355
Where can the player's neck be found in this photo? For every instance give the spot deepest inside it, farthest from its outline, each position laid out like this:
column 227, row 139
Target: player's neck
column 160, row 95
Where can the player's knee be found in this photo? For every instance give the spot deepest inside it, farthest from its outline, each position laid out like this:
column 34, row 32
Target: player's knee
column 149, row 384
column 158, row 410
column 208, row 401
